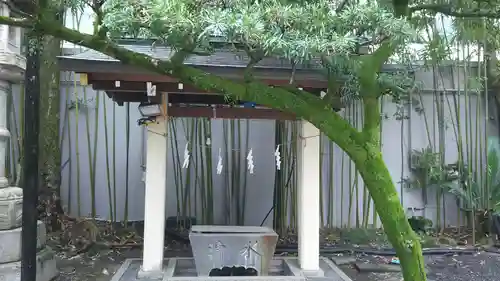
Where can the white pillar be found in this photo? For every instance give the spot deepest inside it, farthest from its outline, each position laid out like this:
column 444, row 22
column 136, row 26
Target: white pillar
column 154, row 210
column 308, row 197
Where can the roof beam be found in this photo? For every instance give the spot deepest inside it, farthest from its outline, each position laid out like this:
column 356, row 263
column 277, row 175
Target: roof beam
column 229, row 113
column 140, row 86
column 174, row 98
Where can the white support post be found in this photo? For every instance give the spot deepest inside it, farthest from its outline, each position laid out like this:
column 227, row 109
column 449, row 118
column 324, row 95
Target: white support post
column 308, row 198
column 154, row 205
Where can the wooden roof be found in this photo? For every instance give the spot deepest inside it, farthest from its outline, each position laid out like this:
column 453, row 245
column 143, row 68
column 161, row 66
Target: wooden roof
column 103, row 71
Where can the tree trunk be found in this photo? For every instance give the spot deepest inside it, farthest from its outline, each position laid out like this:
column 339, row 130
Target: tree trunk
column 279, row 184
column 50, row 152
column 379, row 182
column 49, row 143
column 386, row 200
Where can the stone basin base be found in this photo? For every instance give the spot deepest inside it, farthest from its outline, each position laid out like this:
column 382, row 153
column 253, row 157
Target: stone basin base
column 281, row 269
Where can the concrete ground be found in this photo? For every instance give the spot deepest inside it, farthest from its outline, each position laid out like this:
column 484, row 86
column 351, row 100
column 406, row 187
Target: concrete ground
column 101, row 265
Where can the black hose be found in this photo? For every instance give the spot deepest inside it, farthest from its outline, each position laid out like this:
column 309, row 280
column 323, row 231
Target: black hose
column 329, row 250
column 332, row 250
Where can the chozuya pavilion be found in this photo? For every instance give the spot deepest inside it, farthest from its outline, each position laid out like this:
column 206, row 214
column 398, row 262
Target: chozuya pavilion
column 162, row 97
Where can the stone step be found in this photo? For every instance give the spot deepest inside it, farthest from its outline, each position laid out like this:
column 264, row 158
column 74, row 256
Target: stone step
column 46, row 268
column 10, row 243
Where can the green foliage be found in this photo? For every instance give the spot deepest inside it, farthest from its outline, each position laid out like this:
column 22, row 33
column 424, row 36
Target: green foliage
column 482, row 196
column 303, row 32
column 420, row 224
column 297, row 31
column 427, row 169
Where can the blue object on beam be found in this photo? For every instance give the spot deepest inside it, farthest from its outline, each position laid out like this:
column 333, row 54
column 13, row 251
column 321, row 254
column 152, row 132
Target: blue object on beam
column 249, row 104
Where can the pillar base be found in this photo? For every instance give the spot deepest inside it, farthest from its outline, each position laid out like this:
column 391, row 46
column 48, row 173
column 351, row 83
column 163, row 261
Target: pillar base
column 313, row 273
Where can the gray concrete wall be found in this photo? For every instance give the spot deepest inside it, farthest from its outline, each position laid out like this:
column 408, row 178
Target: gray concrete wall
column 399, row 137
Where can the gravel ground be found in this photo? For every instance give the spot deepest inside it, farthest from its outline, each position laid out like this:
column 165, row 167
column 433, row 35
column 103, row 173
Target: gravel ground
column 478, row 267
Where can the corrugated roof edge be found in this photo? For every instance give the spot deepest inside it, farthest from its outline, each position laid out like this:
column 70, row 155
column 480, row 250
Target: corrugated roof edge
column 219, row 59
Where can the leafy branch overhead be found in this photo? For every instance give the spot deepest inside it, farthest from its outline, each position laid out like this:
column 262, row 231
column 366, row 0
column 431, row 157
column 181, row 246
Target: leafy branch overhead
column 301, row 31
column 350, row 42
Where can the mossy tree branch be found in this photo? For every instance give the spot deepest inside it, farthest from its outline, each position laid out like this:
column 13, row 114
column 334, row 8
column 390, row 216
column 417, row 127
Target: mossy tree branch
column 458, row 12
column 310, row 108
column 362, row 147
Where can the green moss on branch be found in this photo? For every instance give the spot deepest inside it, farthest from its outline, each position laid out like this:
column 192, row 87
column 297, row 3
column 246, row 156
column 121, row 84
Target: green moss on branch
column 311, row 108
column 363, row 151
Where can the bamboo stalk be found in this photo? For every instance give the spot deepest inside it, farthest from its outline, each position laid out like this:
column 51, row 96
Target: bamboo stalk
column 77, row 148
column 278, row 197
column 381, row 143
column 289, row 165
column 202, row 184
column 356, row 177
column 457, row 128
column 227, row 161
column 108, row 170
column 321, row 196
column 437, row 109
column 401, row 151
column 293, row 155
column 94, row 157
column 479, row 145
column 442, row 142
column 235, row 163
column 186, row 197
column 366, row 195
column 468, row 149
column 350, row 180
column 236, row 183
column 194, row 161
column 342, row 184
column 487, row 114
column 331, row 184
column 210, row 199
column 175, row 163
column 114, row 159
column 127, row 162
column 70, row 164
column 89, row 155
column 245, row 175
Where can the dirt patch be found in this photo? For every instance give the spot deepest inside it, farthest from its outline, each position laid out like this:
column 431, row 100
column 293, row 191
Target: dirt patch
column 98, row 256
column 478, row 267
column 115, row 244
column 98, row 266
